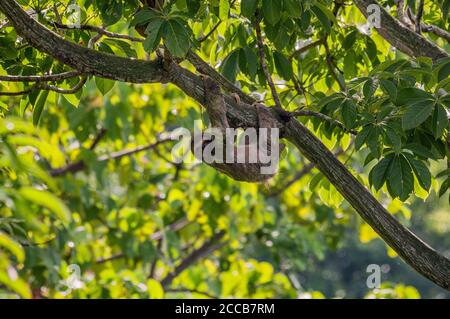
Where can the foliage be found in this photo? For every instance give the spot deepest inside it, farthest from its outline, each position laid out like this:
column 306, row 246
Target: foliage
column 128, row 222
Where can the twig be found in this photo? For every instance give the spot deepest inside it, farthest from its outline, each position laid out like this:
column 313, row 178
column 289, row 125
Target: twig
column 98, row 138
column 185, row 290
column 306, row 48
column 206, row 36
column 177, row 226
column 81, row 165
column 324, row 118
column 207, row 248
column 419, row 16
column 332, row 66
column 99, row 30
column 40, row 78
column 72, row 90
column 263, row 61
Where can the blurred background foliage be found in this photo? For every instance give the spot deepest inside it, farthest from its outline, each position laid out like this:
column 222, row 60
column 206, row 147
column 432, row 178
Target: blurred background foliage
column 92, row 205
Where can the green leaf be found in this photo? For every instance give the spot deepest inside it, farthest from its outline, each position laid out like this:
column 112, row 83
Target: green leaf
column 417, row 113
column 176, row 37
column 401, row 178
column 293, row 8
column 362, row 137
column 143, row 16
column 443, row 71
column 283, row 66
column 322, row 15
column 104, row 85
column 394, row 138
column 13, row 247
column 230, row 66
column 153, row 32
column 380, row 172
column 39, row 107
column 349, row 113
column 224, row 9
column 248, row 8
column 440, row 121
column 422, row 172
column 444, row 173
column 370, row 87
column 47, row 200
column 389, row 88
column 272, row 11
column 410, row 96
column 252, row 61
column 444, row 187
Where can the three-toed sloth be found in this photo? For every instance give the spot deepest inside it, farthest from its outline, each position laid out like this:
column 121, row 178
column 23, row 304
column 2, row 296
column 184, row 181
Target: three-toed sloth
column 252, row 160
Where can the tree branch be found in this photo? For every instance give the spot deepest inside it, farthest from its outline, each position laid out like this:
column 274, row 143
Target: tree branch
column 263, row 61
column 325, row 118
column 207, row 248
column 401, row 37
column 175, row 227
column 419, row 16
column 40, row 78
column 81, row 165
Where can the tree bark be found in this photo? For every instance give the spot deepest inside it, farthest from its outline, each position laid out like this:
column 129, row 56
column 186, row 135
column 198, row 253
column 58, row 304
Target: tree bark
column 414, row 251
column 401, row 37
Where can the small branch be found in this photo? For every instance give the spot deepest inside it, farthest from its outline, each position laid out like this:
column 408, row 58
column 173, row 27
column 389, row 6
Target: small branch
column 175, row 227
column 98, row 138
column 98, row 30
column 324, row 118
column 332, row 66
column 209, row 247
column 419, row 16
column 263, row 61
column 56, row 89
column 39, row 78
column 306, row 48
column 18, row 93
column 192, row 291
column 81, row 165
column 436, row 30
column 206, row 36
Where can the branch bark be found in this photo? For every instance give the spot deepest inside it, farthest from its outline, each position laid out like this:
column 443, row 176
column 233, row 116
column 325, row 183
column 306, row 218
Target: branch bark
column 401, row 37
column 414, row 251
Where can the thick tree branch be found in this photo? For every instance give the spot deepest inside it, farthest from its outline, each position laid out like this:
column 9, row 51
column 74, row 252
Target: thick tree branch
column 413, row 250
column 82, row 59
column 401, row 37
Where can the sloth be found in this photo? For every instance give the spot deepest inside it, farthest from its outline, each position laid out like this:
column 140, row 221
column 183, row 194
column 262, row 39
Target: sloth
column 250, row 171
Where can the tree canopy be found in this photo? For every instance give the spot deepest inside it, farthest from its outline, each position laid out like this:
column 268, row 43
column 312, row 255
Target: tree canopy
column 92, row 203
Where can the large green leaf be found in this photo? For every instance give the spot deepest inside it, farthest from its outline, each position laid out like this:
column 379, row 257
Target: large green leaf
column 176, row 37
column 417, row 113
column 401, row 178
column 272, row 11
column 248, row 8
